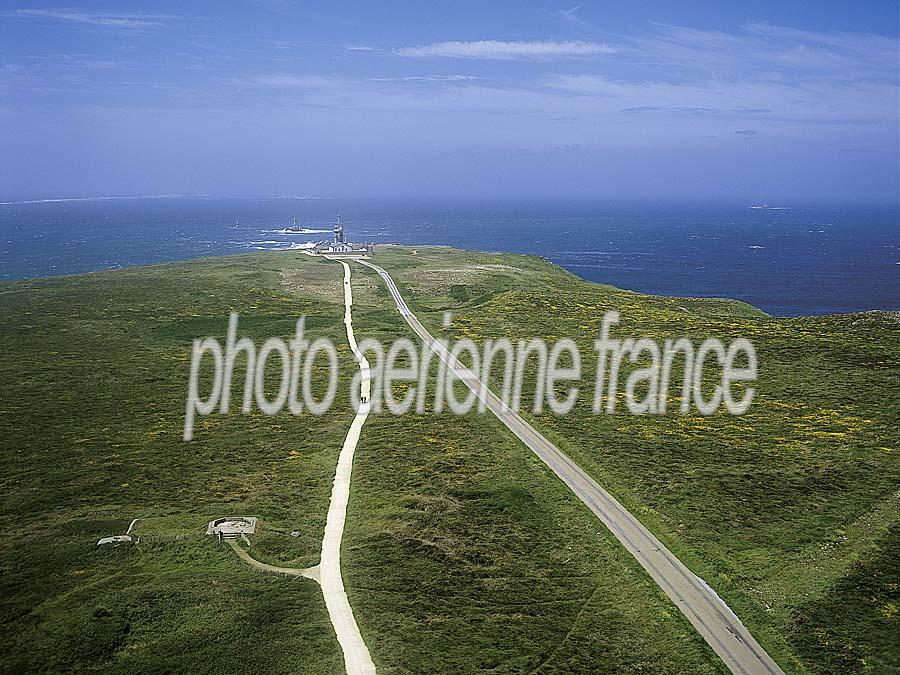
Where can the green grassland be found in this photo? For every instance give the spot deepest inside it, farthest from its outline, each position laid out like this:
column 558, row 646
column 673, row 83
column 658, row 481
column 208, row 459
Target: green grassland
column 781, row 509
column 95, row 380
column 462, row 553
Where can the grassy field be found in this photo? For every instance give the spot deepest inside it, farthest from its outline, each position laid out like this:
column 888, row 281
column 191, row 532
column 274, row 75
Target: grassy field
column 462, row 552
column 96, row 369
column 784, row 510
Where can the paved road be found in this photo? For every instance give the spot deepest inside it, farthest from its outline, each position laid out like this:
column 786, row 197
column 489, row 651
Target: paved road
column 708, row 613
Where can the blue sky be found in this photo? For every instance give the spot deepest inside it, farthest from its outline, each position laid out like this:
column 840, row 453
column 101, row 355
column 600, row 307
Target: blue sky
column 756, row 101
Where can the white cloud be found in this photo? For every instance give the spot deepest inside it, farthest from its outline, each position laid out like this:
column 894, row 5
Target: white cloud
column 107, row 19
column 496, row 49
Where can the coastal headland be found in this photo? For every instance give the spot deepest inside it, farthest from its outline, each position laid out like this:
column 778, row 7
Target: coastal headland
column 461, row 550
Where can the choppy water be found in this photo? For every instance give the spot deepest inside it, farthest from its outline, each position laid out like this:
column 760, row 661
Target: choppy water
column 787, row 261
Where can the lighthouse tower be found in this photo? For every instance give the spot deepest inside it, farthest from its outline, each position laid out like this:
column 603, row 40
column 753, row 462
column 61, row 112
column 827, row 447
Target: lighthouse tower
column 338, row 231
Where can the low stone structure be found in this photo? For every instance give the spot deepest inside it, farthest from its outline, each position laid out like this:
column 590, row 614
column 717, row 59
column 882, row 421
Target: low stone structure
column 121, row 538
column 231, row 527
column 115, row 539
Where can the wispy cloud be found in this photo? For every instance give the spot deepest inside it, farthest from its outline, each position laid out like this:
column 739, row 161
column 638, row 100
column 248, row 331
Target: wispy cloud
column 106, row 19
column 361, row 48
column 426, row 78
column 764, row 50
column 693, row 110
column 777, row 100
column 571, row 17
column 297, row 81
column 661, row 86
column 496, row 49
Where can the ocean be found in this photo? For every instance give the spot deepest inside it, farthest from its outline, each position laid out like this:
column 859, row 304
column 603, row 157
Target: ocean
column 787, row 259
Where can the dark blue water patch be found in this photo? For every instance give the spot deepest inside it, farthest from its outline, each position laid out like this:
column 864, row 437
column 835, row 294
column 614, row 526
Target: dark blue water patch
column 792, row 261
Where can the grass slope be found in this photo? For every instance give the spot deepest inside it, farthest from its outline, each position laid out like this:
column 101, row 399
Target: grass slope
column 779, row 509
column 462, row 553
column 96, row 369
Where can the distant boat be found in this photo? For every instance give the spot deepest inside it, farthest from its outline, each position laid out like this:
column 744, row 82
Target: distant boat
column 295, row 227
column 760, row 206
column 237, row 224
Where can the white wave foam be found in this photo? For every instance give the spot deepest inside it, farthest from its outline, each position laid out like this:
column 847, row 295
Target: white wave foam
column 280, row 245
column 302, row 230
column 169, row 196
column 100, row 199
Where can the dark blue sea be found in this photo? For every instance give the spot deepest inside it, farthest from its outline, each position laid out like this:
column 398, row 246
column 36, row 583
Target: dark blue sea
column 789, row 260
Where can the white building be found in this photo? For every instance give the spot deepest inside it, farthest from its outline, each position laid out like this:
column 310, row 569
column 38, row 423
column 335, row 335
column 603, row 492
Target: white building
column 339, row 244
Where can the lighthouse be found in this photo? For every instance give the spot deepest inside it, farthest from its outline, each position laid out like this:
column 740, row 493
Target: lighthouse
column 338, row 231
column 339, row 243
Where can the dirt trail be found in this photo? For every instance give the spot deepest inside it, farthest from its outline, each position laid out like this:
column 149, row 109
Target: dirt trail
column 310, row 573
column 356, row 654
column 327, row 573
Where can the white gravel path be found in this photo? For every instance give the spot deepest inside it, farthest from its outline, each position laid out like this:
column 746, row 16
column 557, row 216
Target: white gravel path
column 356, row 654
column 327, row 573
